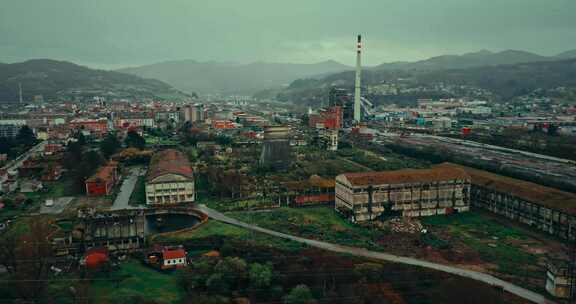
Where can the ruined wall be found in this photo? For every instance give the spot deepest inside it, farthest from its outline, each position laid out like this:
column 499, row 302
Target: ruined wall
column 552, row 221
column 276, row 154
column 115, row 231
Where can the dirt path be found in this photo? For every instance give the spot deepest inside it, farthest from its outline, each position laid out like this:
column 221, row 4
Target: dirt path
column 478, row 276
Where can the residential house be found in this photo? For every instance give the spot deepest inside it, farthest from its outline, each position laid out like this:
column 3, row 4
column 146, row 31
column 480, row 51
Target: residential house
column 103, row 181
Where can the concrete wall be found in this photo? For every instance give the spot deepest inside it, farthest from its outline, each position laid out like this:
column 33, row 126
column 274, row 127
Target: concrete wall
column 552, row 221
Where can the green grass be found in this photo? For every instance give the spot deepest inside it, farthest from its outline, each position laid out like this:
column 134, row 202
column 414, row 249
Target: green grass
column 8, row 213
column 474, row 223
column 138, row 196
column 384, row 162
column 329, row 165
column 214, row 229
column 19, row 227
column 139, row 280
column 154, row 140
column 495, row 243
column 65, row 225
column 224, row 206
column 59, row 188
column 320, row 223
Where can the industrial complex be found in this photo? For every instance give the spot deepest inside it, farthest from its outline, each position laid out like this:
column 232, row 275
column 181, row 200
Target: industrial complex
column 256, row 200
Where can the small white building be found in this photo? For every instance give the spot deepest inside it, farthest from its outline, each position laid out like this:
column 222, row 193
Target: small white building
column 173, row 258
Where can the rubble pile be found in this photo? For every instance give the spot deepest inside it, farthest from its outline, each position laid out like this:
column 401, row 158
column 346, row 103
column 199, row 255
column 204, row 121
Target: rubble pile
column 405, row 225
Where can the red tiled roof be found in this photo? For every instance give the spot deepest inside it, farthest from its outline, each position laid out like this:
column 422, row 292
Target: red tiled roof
column 169, row 162
column 405, row 176
column 170, row 254
column 105, row 173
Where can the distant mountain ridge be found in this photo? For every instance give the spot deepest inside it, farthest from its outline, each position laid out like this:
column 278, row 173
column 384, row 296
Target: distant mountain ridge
column 56, row 79
column 232, row 78
column 510, row 80
column 567, row 55
column 506, row 81
column 474, row 59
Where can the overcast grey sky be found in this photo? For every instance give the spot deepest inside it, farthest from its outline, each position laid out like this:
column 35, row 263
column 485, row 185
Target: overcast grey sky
column 111, row 33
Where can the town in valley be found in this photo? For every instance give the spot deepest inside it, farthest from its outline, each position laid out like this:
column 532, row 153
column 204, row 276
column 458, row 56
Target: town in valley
column 443, row 180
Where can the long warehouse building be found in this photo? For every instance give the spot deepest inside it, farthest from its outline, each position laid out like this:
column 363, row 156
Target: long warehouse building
column 546, row 209
column 367, row 196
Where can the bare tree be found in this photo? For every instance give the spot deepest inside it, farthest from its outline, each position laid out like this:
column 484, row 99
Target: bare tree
column 8, row 245
column 35, row 253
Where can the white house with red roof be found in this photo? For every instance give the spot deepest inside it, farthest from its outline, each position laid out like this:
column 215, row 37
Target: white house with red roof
column 173, row 258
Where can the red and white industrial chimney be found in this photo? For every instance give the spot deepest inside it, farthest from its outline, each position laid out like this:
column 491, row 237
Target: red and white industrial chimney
column 357, row 89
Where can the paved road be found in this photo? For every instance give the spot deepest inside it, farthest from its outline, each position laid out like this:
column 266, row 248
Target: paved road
column 478, row 276
column 16, row 163
column 123, row 198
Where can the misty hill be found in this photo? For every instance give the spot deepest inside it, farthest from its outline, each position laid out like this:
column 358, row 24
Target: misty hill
column 510, row 80
column 475, row 59
column 506, row 81
column 59, row 79
column 567, row 55
column 229, row 78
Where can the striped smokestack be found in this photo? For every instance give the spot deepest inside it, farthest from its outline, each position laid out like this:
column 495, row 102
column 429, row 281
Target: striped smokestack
column 357, row 91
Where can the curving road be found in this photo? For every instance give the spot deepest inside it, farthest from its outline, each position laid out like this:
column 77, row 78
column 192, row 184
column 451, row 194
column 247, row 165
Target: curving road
column 478, row 276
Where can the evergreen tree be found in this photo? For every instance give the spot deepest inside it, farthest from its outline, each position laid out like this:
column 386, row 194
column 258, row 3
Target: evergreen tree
column 26, row 136
column 109, row 145
column 300, row 294
column 134, row 140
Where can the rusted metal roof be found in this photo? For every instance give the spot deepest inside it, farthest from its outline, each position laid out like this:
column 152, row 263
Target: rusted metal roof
column 406, row 176
column 169, row 161
column 314, row 181
column 531, row 192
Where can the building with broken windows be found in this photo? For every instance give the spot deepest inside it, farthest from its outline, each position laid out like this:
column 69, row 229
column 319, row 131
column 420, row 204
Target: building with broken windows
column 367, row 196
column 546, row 209
column 170, row 179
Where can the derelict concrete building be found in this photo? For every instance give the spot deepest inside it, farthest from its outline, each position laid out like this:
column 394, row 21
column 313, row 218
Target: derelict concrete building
column 276, row 152
column 547, row 209
column 367, row 196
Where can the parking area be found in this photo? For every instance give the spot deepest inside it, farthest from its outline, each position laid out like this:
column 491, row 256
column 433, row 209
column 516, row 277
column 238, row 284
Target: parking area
column 58, row 205
column 123, row 199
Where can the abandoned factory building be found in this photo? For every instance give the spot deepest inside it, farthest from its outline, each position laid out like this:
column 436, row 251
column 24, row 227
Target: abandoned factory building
column 170, row 179
column 367, row 196
column 546, row 209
